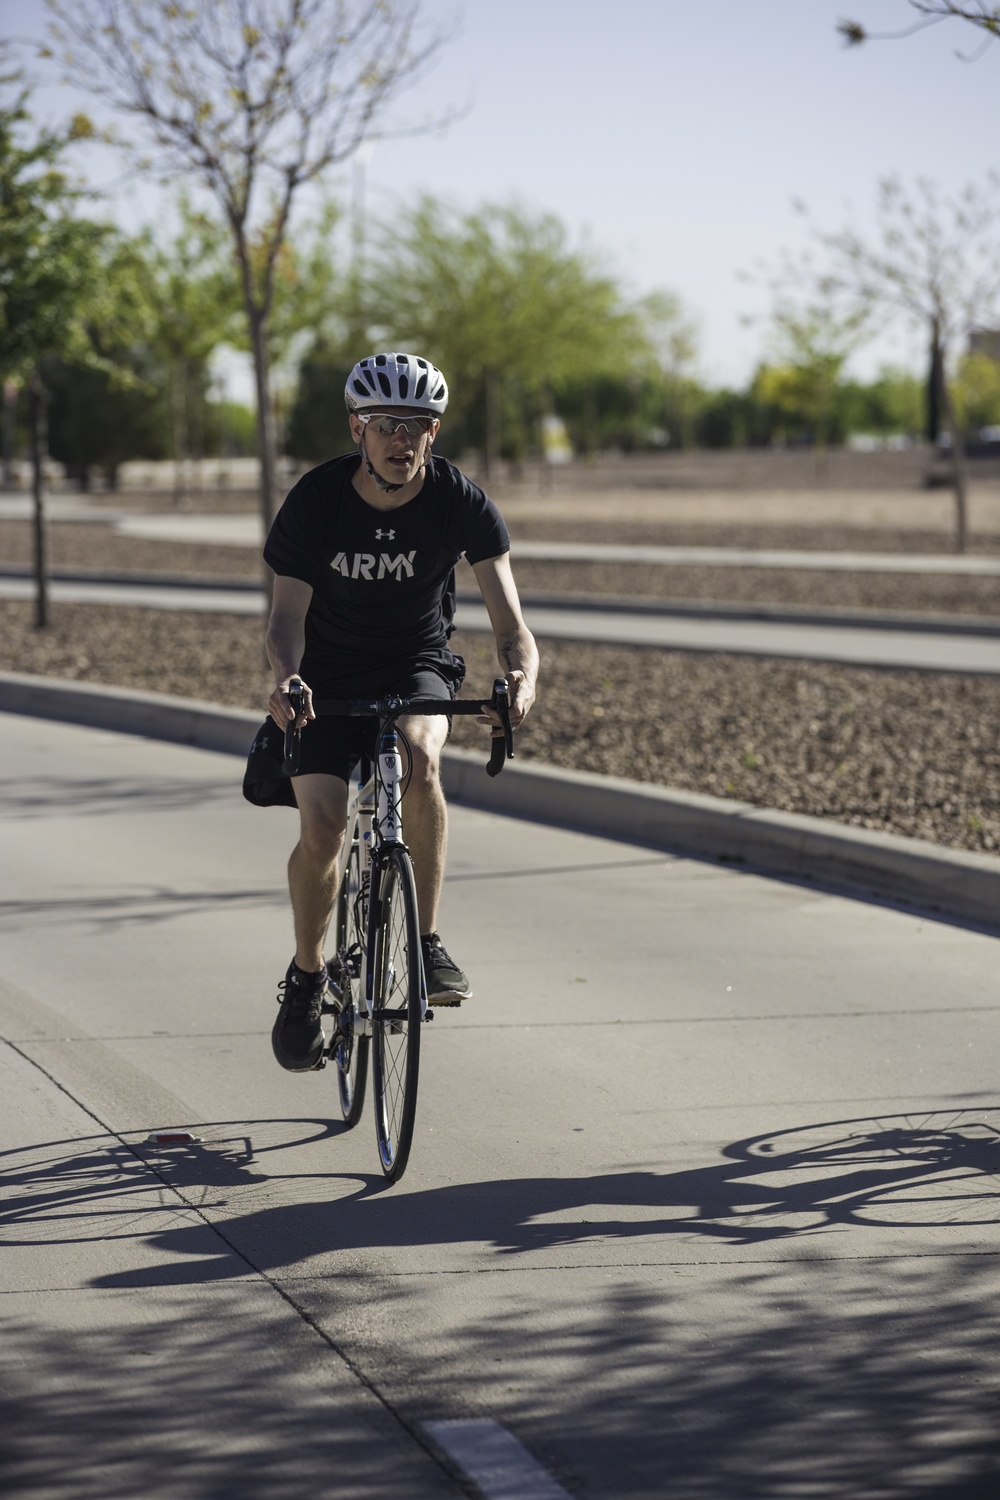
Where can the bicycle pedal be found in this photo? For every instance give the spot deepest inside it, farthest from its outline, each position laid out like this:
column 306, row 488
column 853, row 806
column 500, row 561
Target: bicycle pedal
column 443, row 1004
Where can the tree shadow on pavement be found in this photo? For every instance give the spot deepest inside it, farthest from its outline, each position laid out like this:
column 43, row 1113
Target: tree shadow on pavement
column 212, row 1394
column 105, row 796
column 133, row 906
column 812, row 1313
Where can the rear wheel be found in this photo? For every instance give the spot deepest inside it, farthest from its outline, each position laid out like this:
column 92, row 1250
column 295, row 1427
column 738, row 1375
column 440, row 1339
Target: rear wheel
column 349, row 1048
column 397, row 1014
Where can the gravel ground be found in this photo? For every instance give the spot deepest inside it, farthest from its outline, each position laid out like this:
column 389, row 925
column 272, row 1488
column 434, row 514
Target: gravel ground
column 97, row 549
column 905, row 752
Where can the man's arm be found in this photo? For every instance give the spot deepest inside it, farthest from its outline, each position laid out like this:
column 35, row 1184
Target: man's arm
column 516, row 649
column 286, row 642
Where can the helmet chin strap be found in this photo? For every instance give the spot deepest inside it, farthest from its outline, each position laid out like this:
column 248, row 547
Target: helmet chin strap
column 380, row 483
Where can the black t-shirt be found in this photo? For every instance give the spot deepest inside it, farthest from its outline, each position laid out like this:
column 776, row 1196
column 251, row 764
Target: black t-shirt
column 383, row 581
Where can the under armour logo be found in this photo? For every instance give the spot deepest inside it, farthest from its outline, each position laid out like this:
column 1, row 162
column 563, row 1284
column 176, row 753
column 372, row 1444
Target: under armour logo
column 389, row 536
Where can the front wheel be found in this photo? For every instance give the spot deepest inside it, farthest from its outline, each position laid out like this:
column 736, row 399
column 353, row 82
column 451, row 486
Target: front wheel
column 349, row 1048
column 396, row 1014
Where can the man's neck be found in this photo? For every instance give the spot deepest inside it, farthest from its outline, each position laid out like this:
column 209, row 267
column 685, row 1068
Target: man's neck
column 383, row 499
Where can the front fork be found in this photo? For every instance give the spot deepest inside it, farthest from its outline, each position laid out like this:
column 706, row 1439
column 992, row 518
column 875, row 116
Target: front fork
column 389, row 816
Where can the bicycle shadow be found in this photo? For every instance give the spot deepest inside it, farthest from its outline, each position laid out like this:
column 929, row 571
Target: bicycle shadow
column 937, row 1171
column 79, row 1189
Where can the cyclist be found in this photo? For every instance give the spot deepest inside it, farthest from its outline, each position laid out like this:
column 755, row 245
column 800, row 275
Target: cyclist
column 363, row 551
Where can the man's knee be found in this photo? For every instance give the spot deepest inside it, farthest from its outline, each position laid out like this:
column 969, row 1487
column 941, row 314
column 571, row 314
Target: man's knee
column 426, row 740
column 322, row 816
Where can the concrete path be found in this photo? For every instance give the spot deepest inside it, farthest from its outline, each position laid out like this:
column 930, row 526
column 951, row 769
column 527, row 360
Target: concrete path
column 935, row 649
column 751, row 557
column 242, row 530
column 703, row 1201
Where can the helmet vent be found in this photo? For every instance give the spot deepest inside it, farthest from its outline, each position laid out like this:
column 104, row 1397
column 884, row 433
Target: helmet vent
column 396, row 380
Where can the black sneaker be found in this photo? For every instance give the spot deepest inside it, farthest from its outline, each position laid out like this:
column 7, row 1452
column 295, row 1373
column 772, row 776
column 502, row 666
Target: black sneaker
column 297, row 1037
column 446, row 984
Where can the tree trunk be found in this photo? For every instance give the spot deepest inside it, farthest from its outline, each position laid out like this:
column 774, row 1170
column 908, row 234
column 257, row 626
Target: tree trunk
column 38, row 414
column 959, row 469
column 267, row 446
column 9, row 425
column 491, row 450
column 591, row 423
column 935, row 380
column 257, row 310
column 179, row 432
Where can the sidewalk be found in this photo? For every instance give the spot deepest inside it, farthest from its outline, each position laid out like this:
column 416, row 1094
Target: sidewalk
column 244, row 530
column 953, row 883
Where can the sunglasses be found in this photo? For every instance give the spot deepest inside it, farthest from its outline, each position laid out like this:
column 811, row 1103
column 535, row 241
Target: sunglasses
column 414, row 427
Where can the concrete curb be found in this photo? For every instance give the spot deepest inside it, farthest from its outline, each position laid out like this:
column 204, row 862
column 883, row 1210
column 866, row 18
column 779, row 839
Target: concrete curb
column 856, row 861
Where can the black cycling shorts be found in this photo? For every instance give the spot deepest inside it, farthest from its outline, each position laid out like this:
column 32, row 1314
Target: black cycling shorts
column 330, row 745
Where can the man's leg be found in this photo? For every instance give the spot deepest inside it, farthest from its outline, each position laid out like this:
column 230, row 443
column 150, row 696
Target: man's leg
column 425, row 824
column 314, row 864
column 425, row 813
column 297, row 1037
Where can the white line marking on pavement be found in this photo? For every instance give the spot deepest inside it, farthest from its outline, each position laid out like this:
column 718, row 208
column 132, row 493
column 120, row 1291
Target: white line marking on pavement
column 494, row 1460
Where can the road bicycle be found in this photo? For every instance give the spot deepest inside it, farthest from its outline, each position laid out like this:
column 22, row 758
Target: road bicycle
column 376, row 972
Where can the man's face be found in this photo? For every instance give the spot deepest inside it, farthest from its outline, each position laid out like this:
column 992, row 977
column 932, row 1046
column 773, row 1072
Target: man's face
column 396, row 454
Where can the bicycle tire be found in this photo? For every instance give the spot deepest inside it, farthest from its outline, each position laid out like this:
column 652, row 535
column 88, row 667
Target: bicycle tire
column 396, row 1014
column 349, row 1047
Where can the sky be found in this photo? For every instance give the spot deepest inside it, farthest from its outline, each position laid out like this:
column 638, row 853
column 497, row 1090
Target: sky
column 672, row 135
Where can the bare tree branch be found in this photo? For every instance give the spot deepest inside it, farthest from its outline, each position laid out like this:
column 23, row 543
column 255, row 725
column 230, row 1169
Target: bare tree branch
column 932, row 260
column 985, row 17
column 256, row 98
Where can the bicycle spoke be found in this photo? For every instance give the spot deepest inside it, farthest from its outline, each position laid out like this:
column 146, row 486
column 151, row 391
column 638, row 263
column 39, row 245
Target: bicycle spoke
column 349, row 1048
column 396, row 1018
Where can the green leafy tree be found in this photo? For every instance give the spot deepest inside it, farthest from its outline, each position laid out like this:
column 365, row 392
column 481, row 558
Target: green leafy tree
column 812, row 345
column 188, row 305
column 97, row 420
column 311, row 315
column 51, row 283
column 254, row 99
column 317, row 424
column 977, row 392
column 499, row 299
column 890, row 406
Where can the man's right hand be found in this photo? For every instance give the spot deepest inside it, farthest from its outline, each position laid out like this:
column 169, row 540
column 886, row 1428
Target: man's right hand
column 279, row 705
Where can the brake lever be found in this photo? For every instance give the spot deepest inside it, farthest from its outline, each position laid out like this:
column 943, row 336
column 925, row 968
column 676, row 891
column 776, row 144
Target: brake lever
column 503, row 749
column 293, row 736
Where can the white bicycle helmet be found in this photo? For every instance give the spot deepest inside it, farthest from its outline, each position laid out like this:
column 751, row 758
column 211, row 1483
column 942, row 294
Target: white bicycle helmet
column 396, row 380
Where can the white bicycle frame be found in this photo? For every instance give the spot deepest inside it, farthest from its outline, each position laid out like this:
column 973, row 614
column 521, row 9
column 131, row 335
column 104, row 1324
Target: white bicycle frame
column 375, row 804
